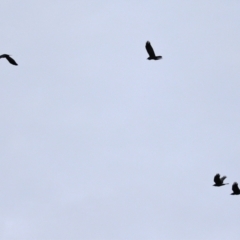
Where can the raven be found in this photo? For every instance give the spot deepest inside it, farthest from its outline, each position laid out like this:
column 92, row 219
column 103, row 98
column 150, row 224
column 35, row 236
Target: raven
column 12, row 61
column 235, row 188
column 151, row 52
column 219, row 181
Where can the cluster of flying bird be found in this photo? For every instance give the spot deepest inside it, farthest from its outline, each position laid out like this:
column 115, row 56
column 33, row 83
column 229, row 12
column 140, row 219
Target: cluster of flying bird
column 219, row 181
column 149, row 49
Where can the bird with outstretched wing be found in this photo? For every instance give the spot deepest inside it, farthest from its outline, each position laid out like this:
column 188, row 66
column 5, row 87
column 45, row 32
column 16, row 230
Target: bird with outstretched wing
column 11, row 60
column 151, row 52
column 219, row 181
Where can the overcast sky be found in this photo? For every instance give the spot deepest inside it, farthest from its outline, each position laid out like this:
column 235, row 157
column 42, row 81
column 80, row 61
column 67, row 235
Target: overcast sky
column 97, row 142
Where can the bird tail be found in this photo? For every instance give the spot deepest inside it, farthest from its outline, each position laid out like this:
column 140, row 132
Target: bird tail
column 158, row 57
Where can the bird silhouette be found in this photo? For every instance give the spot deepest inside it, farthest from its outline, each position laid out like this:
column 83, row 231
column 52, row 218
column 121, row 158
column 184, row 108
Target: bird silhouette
column 235, row 188
column 219, row 181
column 151, row 52
column 11, row 60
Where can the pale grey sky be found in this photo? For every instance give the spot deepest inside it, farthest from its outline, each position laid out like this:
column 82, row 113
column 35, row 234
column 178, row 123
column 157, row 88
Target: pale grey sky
column 98, row 143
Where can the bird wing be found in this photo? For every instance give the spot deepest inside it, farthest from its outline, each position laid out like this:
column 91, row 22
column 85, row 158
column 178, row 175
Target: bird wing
column 150, row 49
column 3, row 56
column 217, row 178
column 223, row 178
column 11, row 60
column 235, row 187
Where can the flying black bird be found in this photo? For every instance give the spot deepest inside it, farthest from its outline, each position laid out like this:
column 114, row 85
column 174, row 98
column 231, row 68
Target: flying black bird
column 219, row 181
column 151, row 52
column 235, row 188
column 12, row 61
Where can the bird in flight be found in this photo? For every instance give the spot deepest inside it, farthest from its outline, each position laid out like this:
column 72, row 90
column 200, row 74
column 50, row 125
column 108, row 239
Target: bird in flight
column 219, row 181
column 235, row 188
column 11, row 60
column 151, row 52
